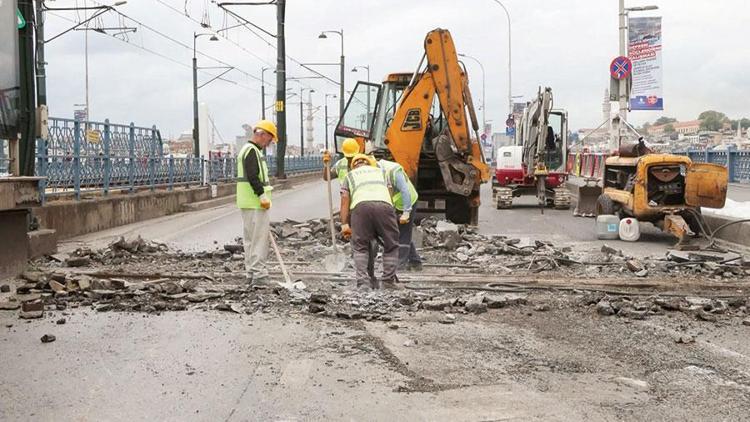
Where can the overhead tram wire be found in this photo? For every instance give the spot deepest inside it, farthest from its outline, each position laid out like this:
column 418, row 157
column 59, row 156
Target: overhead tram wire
column 156, row 53
column 180, row 43
column 239, row 19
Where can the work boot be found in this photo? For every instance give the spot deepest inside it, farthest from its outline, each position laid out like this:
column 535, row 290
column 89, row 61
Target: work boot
column 375, row 284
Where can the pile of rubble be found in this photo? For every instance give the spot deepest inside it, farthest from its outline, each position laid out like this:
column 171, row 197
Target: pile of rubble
column 704, row 309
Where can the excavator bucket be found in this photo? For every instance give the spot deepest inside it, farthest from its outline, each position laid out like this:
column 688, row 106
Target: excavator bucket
column 587, row 194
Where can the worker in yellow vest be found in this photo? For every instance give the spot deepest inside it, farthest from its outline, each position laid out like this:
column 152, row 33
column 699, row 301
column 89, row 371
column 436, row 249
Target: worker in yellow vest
column 366, row 196
column 349, row 148
column 404, row 198
column 254, row 201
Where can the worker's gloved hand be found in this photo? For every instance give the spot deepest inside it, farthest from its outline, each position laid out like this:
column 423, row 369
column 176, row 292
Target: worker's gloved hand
column 326, row 157
column 265, row 203
column 404, row 219
column 346, row 231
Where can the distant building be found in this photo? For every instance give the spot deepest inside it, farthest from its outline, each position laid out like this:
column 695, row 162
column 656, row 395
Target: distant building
column 691, row 127
column 183, row 145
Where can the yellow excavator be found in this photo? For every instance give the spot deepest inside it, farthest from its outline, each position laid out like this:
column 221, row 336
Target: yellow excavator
column 420, row 121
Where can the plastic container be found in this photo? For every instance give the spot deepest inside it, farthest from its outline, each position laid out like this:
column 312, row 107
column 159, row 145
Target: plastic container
column 630, row 230
column 607, row 227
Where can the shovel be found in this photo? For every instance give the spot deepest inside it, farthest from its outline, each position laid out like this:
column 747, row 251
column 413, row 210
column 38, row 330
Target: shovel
column 287, row 284
column 334, row 262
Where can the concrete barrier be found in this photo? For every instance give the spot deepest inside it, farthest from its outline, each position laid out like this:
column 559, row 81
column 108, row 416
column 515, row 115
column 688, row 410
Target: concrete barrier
column 73, row 218
column 737, row 233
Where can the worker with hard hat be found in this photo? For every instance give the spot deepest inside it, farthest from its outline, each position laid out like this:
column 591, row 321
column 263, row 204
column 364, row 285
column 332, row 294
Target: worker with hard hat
column 349, row 148
column 404, row 198
column 366, row 198
column 254, row 200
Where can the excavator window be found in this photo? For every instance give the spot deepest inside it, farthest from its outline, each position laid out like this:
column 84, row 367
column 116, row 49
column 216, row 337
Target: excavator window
column 358, row 114
column 388, row 100
column 554, row 142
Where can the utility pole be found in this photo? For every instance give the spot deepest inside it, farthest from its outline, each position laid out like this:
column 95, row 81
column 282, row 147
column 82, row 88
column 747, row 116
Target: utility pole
column 280, row 88
column 623, row 85
column 41, row 74
column 342, row 87
column 301, row 125
column 27, row 99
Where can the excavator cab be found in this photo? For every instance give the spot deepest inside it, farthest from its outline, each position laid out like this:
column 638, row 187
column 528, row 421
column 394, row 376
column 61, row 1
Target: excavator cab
column 426, row 122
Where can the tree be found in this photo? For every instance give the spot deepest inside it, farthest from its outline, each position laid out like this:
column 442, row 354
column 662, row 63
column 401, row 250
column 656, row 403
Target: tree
column 669, row 128
column 663, row 120
column 712, row 120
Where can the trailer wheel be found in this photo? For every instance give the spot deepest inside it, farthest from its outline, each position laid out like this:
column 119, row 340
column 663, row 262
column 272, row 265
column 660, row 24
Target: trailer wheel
column 605, row 205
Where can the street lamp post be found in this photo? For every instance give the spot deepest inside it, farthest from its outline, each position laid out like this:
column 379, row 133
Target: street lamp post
column 326, row 116
column 263, row 92
column 510, row 90
column 341, row 87
column 484, row 109
column 196, row 143
column 623, row 51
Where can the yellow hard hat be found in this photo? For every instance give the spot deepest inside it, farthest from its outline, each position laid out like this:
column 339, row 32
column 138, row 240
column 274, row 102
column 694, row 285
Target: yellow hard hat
column 268, row 126
column 350, row 147
column 368, row 159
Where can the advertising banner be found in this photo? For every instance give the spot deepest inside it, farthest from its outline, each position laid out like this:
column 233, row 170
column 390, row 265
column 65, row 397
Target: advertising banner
column 9, row 84
column 644, row 51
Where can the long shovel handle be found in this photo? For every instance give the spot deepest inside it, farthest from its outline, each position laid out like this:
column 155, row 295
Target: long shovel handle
column 330, row 207
column 287, row 278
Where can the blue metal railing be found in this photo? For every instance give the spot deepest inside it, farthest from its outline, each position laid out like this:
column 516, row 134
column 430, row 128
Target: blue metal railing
column 736, row 162
column 97, row 157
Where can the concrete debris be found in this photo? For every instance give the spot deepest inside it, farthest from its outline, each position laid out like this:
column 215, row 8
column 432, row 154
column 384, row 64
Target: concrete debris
column 4, row 288
column 608, row 250
column 448, row 319
column 634, row 265
column 746, row 322
column 437, row 304
column 78, row 261
column 9, row 305
column 48, row 338
column 685, row 339
column 605, row 308
column 508, row 299
column 633, row 383
column 476, row 305
column 60, row 321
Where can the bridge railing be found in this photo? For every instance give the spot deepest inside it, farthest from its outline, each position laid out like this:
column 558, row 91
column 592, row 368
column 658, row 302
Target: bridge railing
column 81, row 157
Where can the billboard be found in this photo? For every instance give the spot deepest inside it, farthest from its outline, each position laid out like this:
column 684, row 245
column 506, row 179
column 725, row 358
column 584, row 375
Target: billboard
column 644, row 50
column 9, row 82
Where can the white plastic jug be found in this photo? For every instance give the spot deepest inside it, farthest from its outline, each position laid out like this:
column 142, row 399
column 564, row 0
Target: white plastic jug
column 607, row 227
column 630, row 230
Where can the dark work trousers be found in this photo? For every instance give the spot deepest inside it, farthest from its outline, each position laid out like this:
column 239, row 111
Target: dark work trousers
column 374, row 220
column 407, row 252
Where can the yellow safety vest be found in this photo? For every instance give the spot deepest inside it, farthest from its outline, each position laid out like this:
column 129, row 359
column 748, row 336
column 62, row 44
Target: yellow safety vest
column 367, row 184
column 341, row 167
column 391, row 170
column 246, row 197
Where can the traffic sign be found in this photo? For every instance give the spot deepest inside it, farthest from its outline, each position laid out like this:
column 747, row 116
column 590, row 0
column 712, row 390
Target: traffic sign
column 510, row 131
column 620, row 67
column 20, row 19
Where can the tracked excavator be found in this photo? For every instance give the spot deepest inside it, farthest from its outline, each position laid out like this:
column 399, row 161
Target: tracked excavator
column 426, row 122
column 535, row 165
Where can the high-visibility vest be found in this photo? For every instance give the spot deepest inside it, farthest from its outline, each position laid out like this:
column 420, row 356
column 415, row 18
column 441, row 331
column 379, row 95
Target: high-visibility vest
column 391, row 170
column 367, row 184
column 246, row 197
column 341, row 167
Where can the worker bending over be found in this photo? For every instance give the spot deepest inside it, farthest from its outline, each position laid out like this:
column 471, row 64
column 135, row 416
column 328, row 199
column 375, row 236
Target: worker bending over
column 365, row 195
column 404, row 198
column 254, row 200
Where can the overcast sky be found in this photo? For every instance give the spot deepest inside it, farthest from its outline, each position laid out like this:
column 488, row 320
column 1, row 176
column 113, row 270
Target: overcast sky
column 567, row 45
